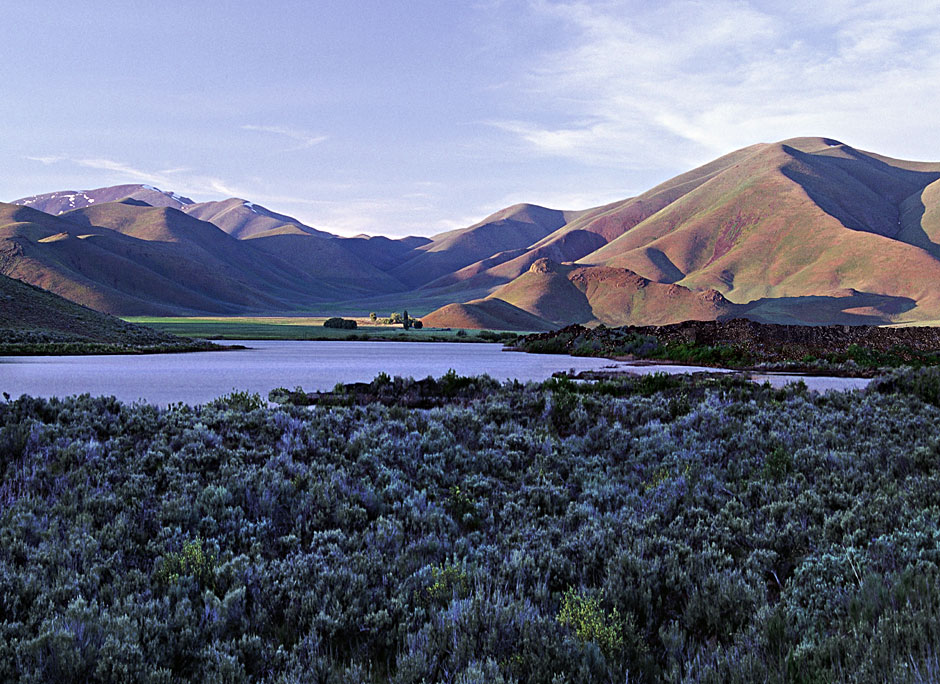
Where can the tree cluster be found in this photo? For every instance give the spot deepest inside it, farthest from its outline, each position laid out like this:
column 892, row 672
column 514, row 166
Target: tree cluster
column 340, row 323
column 402, row 319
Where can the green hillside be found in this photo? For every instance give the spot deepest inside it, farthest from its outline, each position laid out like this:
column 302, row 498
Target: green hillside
column 33, row 320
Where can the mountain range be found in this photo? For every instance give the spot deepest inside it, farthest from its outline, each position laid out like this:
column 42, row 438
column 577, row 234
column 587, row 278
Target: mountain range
column 808, row 230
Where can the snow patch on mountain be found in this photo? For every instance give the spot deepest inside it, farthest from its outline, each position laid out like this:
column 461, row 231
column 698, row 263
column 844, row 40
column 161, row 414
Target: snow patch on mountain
column 176, row 197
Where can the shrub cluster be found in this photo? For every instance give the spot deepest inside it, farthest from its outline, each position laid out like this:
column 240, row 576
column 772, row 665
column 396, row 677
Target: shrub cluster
column 450, row 388
column 741, row 343
column 647, row 530
column 139, row 340
column 340, row 323
column 81, row 348
column 496, row 336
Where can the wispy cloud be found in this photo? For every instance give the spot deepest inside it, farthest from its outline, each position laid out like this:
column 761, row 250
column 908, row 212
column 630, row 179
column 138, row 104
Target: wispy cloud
column 51, row 159
column 179, row 180
column 122, row 169
column 682, row 80
column 303, row 139
column 334, row 207
column 221, row 187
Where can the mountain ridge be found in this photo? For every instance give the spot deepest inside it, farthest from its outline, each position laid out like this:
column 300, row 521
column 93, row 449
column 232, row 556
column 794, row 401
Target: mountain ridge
column 803, row 230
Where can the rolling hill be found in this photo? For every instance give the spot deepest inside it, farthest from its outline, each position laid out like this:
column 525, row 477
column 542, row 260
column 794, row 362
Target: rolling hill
column 237, row 217
column 240, row 218
column 515, row 228
column 29, row 314
column 564, row 294
column 806, row 217
column 295, row 265
column 807, row 230
column 491, row 313
column 582, row 233
column 127, row 259
column 56, row 203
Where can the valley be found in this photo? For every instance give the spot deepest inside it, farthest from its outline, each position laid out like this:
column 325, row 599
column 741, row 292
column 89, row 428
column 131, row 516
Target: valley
column 301, row 328
column 804, row 231
column 539, row 342
column 419, row 507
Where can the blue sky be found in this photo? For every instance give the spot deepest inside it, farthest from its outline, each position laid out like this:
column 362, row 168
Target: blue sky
column 416, row 117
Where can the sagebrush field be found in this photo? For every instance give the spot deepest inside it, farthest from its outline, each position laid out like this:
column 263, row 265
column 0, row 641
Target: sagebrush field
column 659, row 529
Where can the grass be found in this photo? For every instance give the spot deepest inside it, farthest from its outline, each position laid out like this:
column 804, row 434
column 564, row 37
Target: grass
column 309, row 328
column 82, row 348
column 36, row 322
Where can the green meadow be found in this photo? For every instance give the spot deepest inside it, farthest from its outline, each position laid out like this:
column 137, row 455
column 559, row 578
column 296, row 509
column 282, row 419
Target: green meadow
column 308, row 328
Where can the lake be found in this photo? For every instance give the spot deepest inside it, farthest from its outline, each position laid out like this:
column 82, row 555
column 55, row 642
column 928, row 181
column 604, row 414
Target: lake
column 198, row 377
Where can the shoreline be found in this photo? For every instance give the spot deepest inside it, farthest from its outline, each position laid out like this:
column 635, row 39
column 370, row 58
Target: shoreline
column 819, row 382
column 104, row 349
column 796, row 369
column 747, row 346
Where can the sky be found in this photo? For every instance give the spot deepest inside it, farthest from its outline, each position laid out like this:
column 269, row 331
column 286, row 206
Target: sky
column 396, row 118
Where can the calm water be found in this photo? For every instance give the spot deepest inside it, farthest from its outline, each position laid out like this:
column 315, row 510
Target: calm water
column 819, row 383
column 199, row 377
column 202, row 376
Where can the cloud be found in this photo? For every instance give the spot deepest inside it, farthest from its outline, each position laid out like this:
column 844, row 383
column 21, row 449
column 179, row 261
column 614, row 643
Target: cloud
column 51, row 159
column 345, row 212
column 221, row 187
column 178, row 180
column 304, row 140
column 394, row 217
column 646, row 85
column 123, row 170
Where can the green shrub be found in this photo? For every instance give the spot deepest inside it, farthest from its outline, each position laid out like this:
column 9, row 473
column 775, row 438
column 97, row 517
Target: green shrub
column 715, row 355
column 552, row 345
column 778, row 463
column 923, row 383
column 447, row 582
column 340, row 323
column 295, row 397
column 191, row 561
column 239, row 400
column 590, row 623
column 494, row 336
